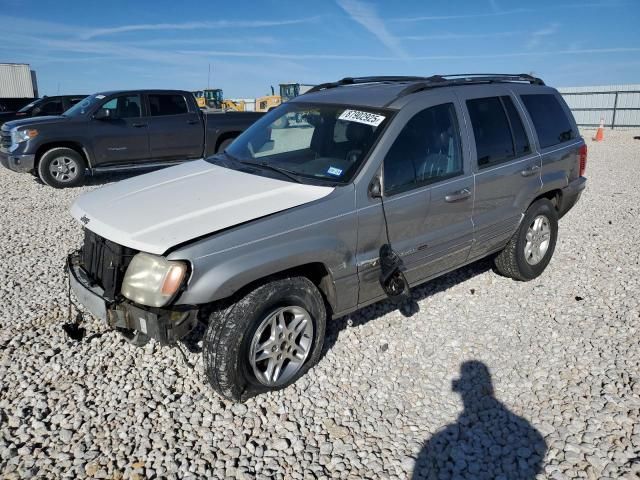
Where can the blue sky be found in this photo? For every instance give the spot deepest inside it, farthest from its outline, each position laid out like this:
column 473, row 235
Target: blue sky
column 83, row 47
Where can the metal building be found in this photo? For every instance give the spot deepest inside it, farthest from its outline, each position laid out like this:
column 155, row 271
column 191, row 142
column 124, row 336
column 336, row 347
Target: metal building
column 618, row 105
column 17, row 80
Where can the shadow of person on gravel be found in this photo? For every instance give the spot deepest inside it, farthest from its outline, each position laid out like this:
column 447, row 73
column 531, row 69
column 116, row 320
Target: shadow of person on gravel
column 486, row 442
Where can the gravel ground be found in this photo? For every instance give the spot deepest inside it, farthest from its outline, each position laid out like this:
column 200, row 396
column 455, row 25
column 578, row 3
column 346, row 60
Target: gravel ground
column 545, row 374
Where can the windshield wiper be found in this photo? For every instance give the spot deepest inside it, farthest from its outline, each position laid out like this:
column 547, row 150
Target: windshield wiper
column 281, row 171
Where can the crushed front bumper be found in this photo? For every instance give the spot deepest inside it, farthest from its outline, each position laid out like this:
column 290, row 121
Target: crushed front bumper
column 166, row 326
column 17, row 162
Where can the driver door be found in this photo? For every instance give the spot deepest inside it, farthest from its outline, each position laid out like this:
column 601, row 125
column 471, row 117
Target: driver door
column 123, row 136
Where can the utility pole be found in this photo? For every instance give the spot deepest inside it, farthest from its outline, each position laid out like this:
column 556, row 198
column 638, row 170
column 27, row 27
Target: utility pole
column 209, row 78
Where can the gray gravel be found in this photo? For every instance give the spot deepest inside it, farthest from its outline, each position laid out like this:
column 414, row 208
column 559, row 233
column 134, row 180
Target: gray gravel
column 561, row 352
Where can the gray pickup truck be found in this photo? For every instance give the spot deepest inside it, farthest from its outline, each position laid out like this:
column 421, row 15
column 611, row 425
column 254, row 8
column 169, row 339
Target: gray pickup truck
column 344, row 196
column 116, row 131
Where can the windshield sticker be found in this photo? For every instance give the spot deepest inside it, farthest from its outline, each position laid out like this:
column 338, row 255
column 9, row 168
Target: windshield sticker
column 99, row 97
column 362, row 117
column 334, row 171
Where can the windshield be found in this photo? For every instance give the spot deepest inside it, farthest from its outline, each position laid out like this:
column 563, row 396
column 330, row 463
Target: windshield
column 27, row 108
column 84, row 106
column 321, row 142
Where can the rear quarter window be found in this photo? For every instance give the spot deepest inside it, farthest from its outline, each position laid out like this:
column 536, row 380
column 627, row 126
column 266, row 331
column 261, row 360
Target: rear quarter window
column 549, row 119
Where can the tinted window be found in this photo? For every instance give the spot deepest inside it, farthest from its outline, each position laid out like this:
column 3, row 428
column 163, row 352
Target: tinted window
column 549, row 119
column 167, row 105
column 54, row 107
column 73, row 100
column 520, row 139
column 491, row 131
column 426, row 150
column 125, row 106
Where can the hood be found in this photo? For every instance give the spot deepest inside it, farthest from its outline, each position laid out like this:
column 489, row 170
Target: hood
column 158, row 210
column 33, row 121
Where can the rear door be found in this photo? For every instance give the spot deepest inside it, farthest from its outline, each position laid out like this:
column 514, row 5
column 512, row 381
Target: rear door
column 428, row 196
column 507, row 169
column 175, row 127
column 123, row 137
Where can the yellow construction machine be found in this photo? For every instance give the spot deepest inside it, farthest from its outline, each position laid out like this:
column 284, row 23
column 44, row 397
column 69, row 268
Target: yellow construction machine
column 213, row 98
column 287, row 92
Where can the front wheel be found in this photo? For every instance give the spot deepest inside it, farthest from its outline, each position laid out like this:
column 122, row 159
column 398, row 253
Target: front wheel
column 266, row 340
column 530, row 249
column 62, row 167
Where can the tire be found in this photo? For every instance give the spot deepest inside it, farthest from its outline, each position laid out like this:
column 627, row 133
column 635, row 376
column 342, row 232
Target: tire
column 71, row 164
column 516, row 260
column 234, row 333
column 225, row 143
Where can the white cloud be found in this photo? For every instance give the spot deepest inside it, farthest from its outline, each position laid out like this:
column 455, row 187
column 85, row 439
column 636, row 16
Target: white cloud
column 536, row 37
column 456, row 36
column 497, row 12
column 366, row 16
column 208, row 25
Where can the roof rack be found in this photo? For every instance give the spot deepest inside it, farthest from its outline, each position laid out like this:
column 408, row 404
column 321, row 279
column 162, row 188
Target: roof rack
column 422, row 83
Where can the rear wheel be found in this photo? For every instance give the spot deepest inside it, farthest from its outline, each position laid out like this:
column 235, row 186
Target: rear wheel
column 530, row 249
column 224, row 144
column 62, row 167
column 266, row 340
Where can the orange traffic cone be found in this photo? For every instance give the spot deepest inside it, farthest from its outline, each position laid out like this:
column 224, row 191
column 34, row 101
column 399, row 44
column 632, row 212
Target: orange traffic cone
column 600, row 133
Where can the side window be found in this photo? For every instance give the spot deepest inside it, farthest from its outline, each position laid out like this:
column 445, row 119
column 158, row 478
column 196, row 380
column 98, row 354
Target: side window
column 167, row 104
column 54, row 107
column 125, row 106
column 74, row 100
column 491, row 131
column 549, row 119
column 427, row 150
column 520, row 140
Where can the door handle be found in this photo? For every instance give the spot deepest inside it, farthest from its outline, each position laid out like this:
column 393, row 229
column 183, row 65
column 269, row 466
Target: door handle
column 192, row 122
column 532, row 170
column 458, row 195
column 138, row 125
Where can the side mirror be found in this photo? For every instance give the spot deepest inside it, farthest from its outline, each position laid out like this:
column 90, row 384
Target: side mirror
column 375, row 189
column 102, row 114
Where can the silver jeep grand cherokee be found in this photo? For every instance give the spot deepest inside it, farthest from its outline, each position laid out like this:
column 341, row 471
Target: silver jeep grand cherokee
column 344, row 196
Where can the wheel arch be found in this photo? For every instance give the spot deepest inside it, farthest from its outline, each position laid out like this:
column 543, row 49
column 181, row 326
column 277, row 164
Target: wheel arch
column 554, row 196
column 75, row 146
column 224, row 137
column 316, row 272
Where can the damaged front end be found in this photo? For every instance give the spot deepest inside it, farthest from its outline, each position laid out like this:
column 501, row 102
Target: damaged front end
column 96, row 273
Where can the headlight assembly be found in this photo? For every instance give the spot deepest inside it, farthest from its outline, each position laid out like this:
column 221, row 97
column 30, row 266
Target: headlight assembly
column 152, row 280
column 22, row 135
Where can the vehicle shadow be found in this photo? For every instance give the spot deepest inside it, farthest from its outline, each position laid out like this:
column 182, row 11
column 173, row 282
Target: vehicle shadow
column 487, row 441
column 408, row 309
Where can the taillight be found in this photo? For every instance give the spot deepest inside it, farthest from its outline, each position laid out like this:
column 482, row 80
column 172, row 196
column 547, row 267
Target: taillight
column 582, row 155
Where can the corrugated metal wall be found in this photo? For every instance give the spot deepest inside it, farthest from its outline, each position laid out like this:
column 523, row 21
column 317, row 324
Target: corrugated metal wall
column 16, row 81
column 590, row 104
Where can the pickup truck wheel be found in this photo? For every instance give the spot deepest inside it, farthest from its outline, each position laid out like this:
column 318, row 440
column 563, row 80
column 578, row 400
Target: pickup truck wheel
column 530, row 249
column 223, row 146
column 61, row 167
column 266, row 340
